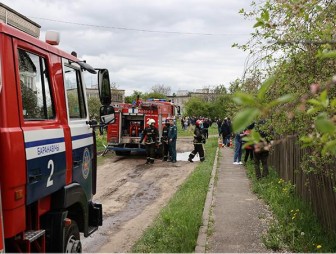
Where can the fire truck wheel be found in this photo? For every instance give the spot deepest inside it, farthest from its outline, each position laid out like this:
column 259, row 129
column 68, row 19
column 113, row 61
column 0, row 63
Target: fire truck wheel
column 72, row 243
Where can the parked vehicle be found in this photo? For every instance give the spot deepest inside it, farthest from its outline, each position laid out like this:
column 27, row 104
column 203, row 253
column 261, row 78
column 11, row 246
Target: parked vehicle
column 47, row 143
column 124, row 134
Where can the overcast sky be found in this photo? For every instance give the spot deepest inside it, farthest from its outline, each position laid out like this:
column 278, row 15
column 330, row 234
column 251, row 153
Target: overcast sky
column 182, row 44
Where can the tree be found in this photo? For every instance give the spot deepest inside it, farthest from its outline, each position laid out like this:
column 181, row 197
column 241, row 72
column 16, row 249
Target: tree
column 161, row 89
column 154, row 95
column 196, row 106
column 294, row 44
column 220, row 89
column 133, row 96
column 94, row 107
column 29, row 101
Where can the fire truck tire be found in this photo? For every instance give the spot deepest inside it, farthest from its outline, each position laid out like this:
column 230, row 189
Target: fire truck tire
column 72, row 243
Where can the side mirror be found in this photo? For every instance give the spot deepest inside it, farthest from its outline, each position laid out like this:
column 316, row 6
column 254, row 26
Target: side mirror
column 104, row 87
column 107, row 114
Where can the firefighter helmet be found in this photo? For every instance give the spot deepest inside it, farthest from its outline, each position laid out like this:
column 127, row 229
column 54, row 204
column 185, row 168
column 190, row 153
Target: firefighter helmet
column 150, row 121
column 199, row 123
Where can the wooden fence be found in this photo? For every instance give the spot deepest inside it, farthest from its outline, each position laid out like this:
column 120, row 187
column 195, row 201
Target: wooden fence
column 319, row 190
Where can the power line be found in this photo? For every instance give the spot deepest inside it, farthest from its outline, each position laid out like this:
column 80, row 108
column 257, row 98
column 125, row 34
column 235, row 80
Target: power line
column 135, row 29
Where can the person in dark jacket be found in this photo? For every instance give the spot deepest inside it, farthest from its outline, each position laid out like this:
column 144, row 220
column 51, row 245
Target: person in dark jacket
column 151, row 136
column 261, row 152
column 219, row 125
column 164, row 140
column 226, row 131
column 206, row 125
column 199, row 140
column 172, row 136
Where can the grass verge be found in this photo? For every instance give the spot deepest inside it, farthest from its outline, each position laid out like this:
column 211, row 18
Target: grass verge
column 213, row 130
column 176, row 228
column 294, row 228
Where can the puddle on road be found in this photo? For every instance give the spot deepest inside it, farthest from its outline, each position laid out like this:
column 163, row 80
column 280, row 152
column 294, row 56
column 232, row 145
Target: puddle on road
column 184, row 156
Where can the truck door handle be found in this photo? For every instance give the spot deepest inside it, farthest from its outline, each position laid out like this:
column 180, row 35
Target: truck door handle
column 76, row 163
column 34, row 178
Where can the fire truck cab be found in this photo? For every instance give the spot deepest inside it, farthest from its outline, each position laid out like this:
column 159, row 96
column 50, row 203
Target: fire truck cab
column 124, row 134
column 47, row 143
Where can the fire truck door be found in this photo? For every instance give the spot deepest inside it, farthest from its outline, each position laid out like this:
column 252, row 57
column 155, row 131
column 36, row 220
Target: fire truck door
column 81, row 133
column 44, row 142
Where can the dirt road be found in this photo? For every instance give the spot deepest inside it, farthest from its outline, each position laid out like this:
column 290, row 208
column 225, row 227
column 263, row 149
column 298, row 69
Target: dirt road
column 133, row 194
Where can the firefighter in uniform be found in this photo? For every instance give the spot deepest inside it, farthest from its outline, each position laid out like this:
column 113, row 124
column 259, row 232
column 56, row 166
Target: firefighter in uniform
column 172, row 136
column 164, row 140
column 199, row 140
column 151, row 136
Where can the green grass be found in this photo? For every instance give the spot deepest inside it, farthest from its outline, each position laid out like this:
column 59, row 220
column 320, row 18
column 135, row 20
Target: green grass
column 101, row 141
column 176, row 228
column 295, row 227
column 213, row 130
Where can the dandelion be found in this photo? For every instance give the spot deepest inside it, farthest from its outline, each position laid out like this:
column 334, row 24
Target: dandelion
column 319, row 246
column 302, row 233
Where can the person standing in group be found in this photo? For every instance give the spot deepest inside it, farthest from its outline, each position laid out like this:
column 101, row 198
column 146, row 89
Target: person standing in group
column 151, row 136
column 226, row 132
column 199, row 140
column 238, row 149
column 186, row 123
column 249, row 148
column 206, row 125
column 219, row 125
column 172, row 136
column 164, row 140
column 261, row 152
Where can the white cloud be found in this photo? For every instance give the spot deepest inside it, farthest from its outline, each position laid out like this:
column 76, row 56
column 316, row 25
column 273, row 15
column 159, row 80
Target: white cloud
column 137, row 60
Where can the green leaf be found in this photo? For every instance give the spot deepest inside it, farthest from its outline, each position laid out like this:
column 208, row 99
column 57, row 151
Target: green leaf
column 313, row 110
column 325, row 55
column 244, row 99
column 306, row 139
column 330, row 147
column 333, row 103
column 259, row 23
column 324, row 98
column 324, row 125
column 264, row 87
column 314, row 102
column 244, row 118
column 265, row 15
column 283, row 99
column 255, row 136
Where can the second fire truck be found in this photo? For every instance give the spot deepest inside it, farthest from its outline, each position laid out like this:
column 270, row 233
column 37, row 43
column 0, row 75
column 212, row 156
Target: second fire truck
column 124, row 134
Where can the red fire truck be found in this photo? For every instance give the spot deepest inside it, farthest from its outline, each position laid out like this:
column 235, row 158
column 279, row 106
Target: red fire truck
column 124, row 134
column 47, row 143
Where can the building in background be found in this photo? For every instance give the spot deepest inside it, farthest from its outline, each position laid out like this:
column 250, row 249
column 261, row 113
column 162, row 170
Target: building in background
column 118, row 95
column 183, row 96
